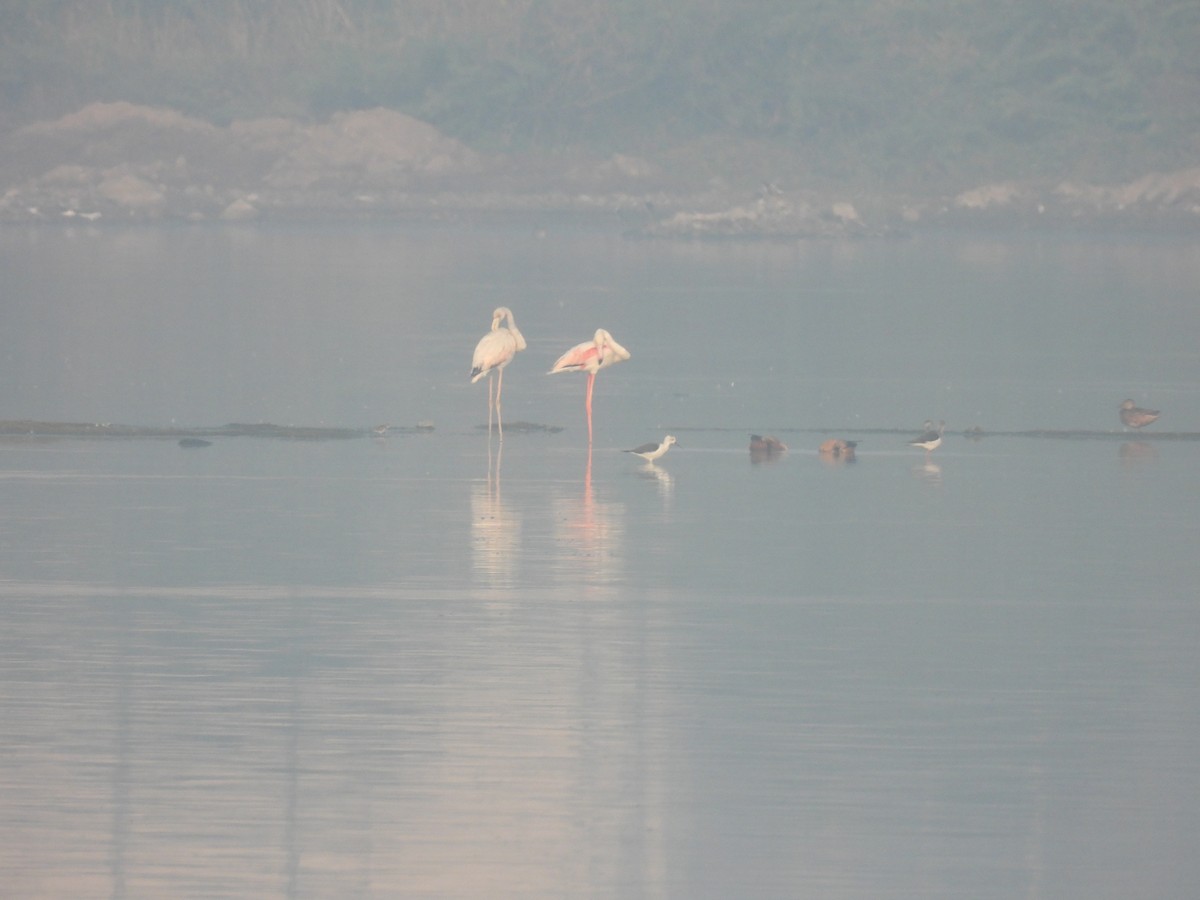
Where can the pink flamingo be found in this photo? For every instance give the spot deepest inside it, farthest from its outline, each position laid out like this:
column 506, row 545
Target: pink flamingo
column 496, row 350
column 591, row 356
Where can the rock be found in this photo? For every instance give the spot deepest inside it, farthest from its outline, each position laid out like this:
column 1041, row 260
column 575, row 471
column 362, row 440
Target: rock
column 125, row 162
column 618, row 170
column 1161, row 190
column 770, row 216
column 630, row 166
column 105, row 116
column 990, row 196
column 240, row 210
column 846, row 213
column 370, row 148
column 131, row 193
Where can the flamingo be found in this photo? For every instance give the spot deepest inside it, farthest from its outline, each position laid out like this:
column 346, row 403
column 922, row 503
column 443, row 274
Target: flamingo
column 1135, row 417
column 653, row 450
column 591, row 356
column 496, row 350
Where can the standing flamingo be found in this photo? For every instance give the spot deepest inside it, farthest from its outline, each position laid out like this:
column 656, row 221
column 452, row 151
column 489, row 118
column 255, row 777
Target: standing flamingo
column 495, row 350
column 591, row 356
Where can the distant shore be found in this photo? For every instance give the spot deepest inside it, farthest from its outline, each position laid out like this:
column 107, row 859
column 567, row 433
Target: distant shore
column 118, row 163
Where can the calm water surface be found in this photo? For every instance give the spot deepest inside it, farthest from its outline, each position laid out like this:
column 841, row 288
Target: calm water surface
column 434, row 665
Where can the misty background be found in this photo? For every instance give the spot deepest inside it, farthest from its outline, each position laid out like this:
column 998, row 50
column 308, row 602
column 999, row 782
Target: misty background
column 870, row 94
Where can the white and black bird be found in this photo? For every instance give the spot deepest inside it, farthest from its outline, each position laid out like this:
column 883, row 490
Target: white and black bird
column 930, row 438
column 653, row 450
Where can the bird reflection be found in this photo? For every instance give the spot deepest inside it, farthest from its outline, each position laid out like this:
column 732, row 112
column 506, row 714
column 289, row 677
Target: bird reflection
column 495, row 531
column 590, row 536
column 651, row 472
column 1135, row 453
column 929, row 473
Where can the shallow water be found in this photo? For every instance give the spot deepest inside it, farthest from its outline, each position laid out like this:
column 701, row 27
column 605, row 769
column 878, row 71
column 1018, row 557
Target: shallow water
column 434, row 665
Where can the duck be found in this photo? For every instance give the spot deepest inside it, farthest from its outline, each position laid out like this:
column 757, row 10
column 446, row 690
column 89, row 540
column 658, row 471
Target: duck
column 766, row 445
column 1135, row 417
column 837, row 448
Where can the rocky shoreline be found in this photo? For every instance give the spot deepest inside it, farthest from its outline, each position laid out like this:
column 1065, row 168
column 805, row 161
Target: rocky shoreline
column 121, row 163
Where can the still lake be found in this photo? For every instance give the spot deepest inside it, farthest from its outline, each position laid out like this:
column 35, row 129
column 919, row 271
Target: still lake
column 435, row 665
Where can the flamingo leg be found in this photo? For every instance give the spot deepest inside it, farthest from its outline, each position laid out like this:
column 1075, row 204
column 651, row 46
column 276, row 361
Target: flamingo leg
column 490, row 403
column 499, row 416
column 590, row 384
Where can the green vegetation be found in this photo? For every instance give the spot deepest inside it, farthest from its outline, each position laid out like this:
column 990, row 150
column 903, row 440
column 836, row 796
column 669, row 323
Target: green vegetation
column 914, row 91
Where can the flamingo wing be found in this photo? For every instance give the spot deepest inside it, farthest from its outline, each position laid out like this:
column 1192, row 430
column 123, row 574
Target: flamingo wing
column 518, row 338
column 494, row 350
column 583, row 357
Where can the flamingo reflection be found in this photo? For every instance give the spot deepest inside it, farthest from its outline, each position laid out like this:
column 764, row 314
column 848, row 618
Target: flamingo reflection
column 590, row 536
column 495, row 530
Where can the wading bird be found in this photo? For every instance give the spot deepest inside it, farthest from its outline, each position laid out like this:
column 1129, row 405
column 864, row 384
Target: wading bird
column 591, row 356
column 495, row 350
column 1135, row 417
column 653, row 450
column 931, row 438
